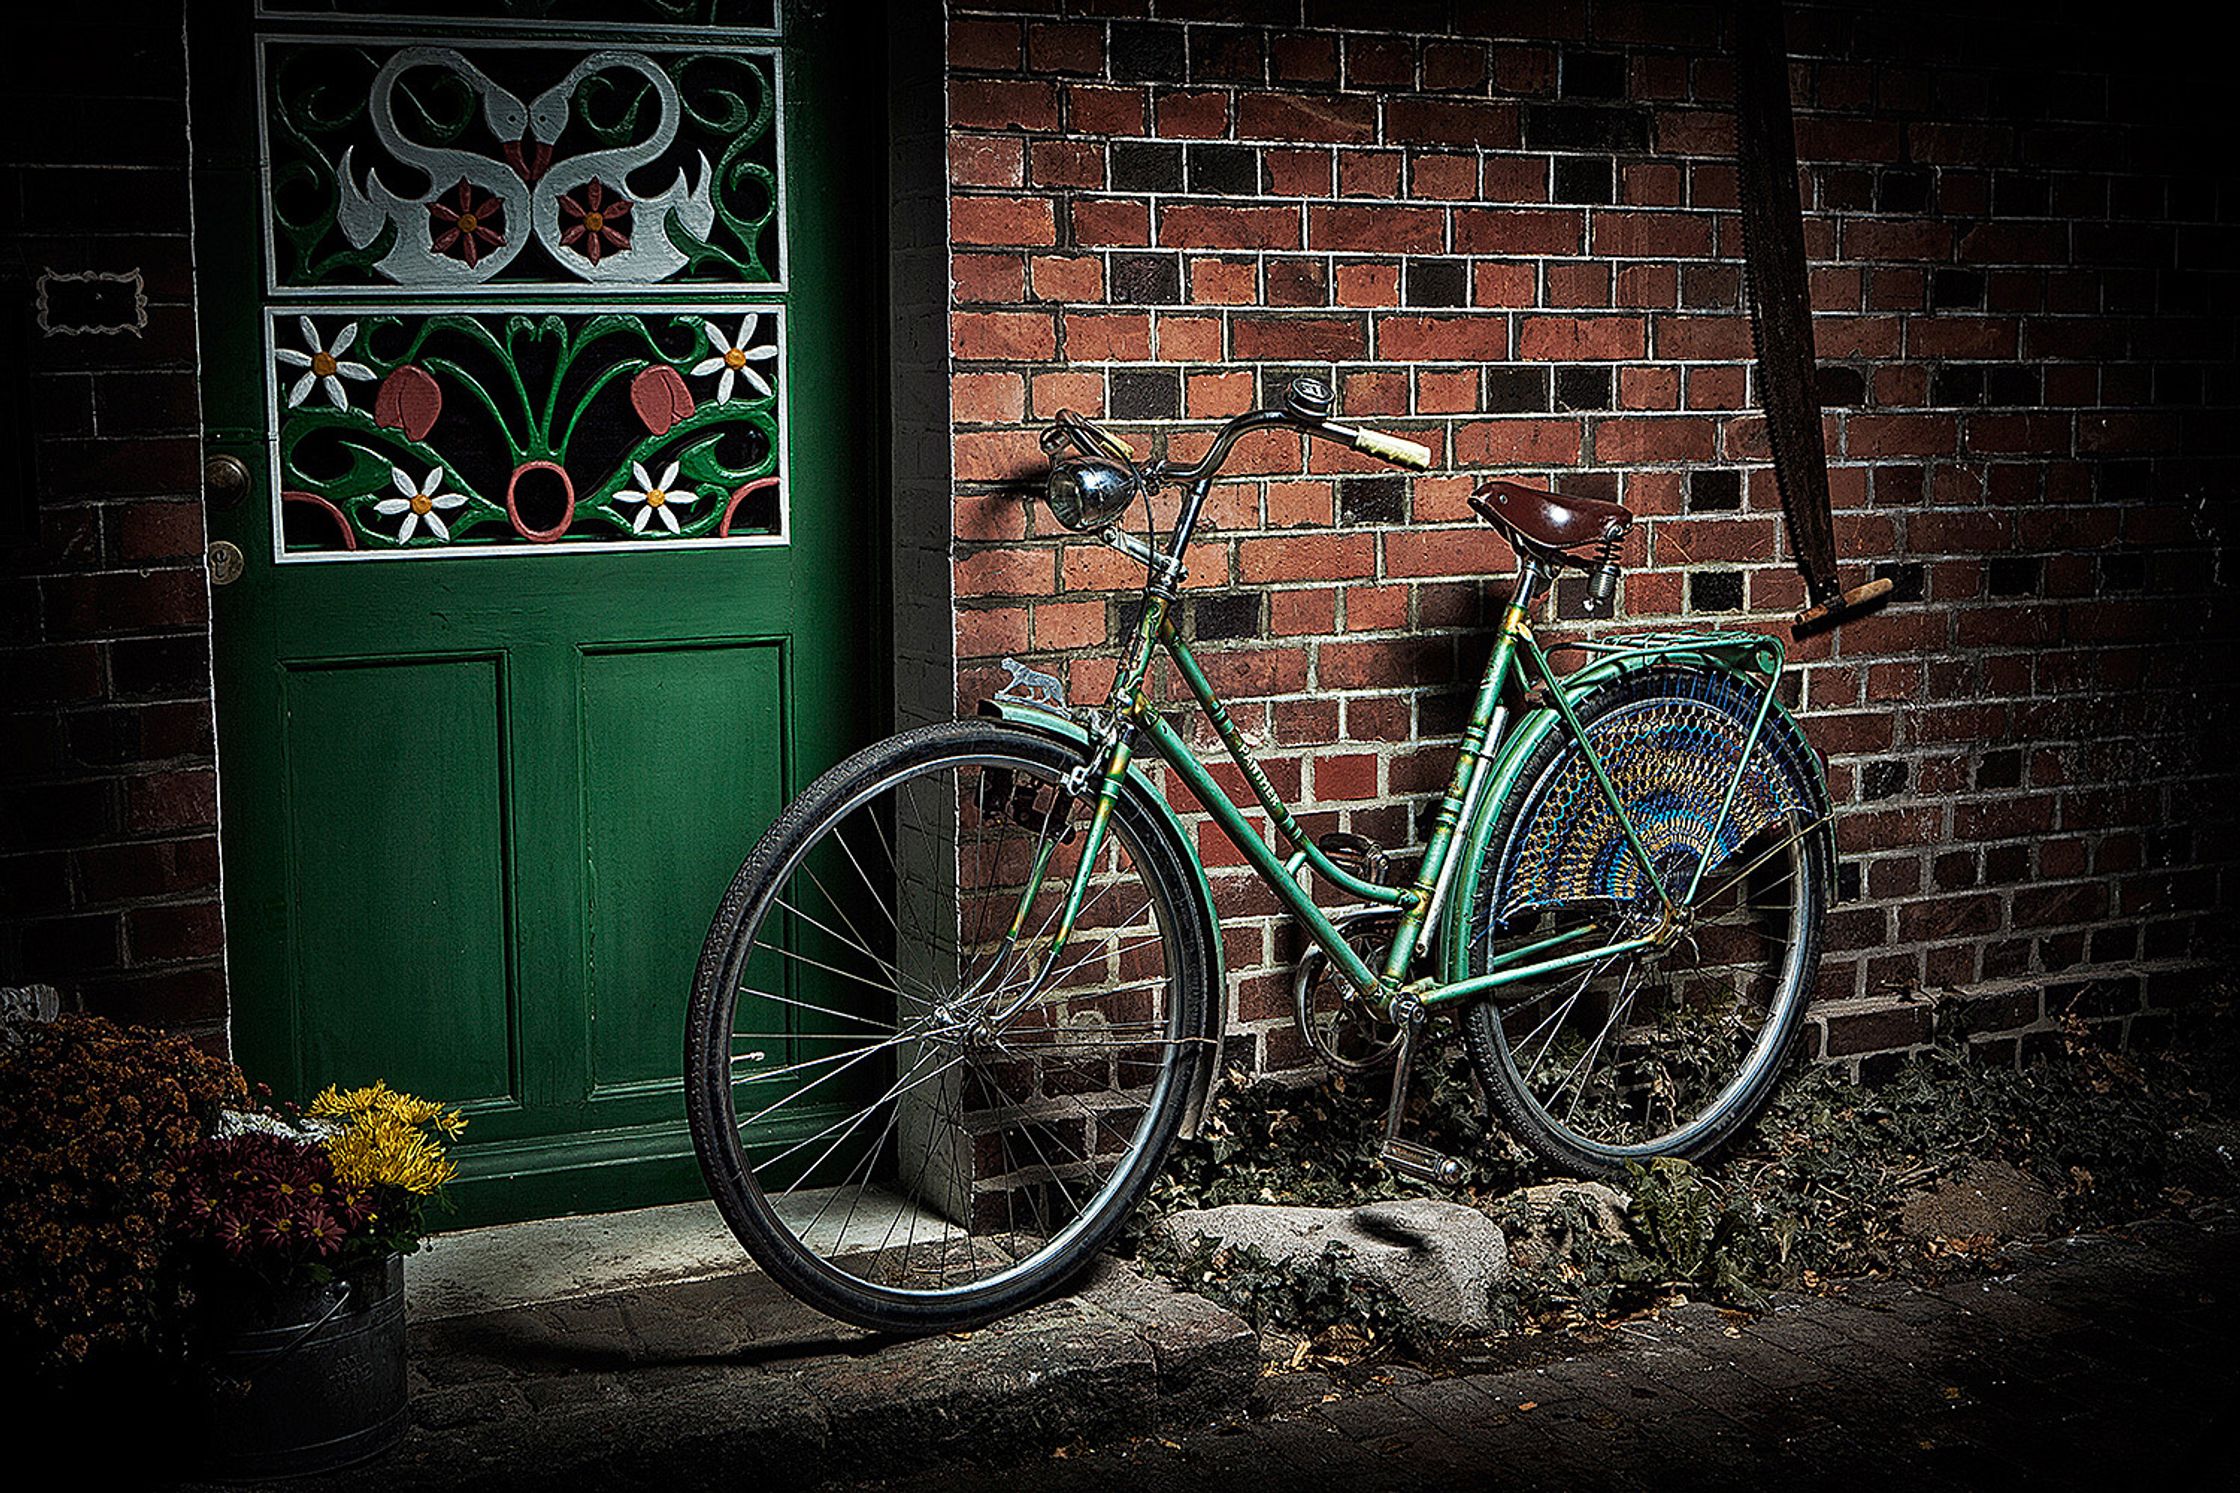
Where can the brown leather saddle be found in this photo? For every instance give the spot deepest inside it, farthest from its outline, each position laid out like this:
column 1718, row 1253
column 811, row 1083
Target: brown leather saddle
column 1550, row 526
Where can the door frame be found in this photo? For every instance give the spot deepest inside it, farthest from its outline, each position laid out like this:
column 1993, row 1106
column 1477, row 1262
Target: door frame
column 898, row 98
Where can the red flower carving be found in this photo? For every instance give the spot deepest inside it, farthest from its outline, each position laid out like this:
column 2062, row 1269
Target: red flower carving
column 597, row 224
column 465, row 229
column 408, row 400
column 659, row 396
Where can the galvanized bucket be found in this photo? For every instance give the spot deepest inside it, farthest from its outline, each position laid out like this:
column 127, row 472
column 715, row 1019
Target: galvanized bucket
column 304, row 1378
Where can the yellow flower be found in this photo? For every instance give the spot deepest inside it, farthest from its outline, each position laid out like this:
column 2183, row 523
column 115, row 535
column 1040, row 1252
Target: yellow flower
column 382, row 1138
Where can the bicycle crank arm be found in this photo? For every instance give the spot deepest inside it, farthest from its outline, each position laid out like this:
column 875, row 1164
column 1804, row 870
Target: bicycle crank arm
column 1408, row 1158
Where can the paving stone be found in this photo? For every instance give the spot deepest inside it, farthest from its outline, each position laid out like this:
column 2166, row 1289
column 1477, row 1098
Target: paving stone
column 1207, row 1358
column 1280, row 1394
column 2101, row 1367
column 1059, row 1372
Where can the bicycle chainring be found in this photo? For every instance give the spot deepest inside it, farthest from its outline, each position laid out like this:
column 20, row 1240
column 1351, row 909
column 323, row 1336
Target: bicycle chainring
column 1338, row 1026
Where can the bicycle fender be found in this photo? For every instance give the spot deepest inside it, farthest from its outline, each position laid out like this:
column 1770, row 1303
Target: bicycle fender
column 1508, row 763
column 1066, row 728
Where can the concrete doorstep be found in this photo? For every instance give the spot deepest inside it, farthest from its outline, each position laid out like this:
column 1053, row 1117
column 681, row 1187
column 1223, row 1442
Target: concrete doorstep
column 645, row 1349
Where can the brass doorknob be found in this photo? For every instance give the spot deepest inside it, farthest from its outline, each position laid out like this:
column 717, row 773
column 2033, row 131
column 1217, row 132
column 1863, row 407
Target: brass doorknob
column 225, row 481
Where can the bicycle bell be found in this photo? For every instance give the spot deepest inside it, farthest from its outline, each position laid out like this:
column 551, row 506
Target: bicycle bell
column 1308, row 398
column 1088, row 492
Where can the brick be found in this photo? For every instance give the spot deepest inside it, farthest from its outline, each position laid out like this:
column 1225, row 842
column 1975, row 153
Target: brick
column 1101, row 223
column 995, row 455
column 1193, row 116
column 987, row 398
column 1076, row 277
column 1382, row 229
column 1189, row 225
column 160, row 802
column 979, row 336
column 1289, row 117
column 1115, row 336
column 1097, row 110
column 1387, row 663
column 1351, row 776
column 1062, row 48
column 990, row 46
column 1420, row 121
column 1417, row 339
column 1518, row 442
column 988, row 278
column 1582, row 338
column 1518, row 231
column 1307, row 557
column 986, row 161
column 1651, row 235
column 1320, row 338
column 1000, row 104
column 1066, row 163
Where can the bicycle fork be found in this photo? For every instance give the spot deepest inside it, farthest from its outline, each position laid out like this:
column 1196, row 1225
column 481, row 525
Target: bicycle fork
column 1106, row 764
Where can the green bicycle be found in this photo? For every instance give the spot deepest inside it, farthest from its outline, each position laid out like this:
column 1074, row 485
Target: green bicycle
column 969, row 987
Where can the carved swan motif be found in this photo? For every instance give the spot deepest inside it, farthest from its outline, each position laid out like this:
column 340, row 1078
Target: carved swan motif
column 648, row 254
column 362, row 212
column 435, row 249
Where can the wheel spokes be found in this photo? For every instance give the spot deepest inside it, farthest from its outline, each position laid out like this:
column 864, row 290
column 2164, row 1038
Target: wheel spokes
column 955, row 1089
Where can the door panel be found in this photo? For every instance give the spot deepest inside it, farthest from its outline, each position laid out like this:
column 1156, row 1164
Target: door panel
column 451, row 164
column 676, row 740
column 540, row 433
column 398, row 920
column 477, row 813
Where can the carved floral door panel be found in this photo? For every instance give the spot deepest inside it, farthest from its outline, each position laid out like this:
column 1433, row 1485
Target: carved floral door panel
column 570, row 295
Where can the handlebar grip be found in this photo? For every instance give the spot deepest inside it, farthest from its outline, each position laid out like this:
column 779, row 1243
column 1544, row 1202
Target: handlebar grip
column 1393, row 449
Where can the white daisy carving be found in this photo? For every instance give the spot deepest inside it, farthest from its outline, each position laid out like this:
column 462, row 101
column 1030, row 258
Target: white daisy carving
column 732, row 357
column 656, row 498
column 423, row 502
column 323, row 364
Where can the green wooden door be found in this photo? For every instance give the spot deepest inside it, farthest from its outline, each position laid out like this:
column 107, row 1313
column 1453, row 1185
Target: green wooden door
column 544, row 344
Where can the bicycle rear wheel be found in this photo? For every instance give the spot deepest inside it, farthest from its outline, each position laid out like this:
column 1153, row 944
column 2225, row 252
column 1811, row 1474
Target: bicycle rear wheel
column 913, row 1112
column 1665, row 1052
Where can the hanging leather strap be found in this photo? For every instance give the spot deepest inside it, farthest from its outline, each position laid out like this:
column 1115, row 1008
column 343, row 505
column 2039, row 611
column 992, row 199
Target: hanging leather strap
column 1779, row 295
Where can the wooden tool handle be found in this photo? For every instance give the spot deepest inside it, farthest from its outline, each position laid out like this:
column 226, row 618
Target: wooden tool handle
column 1849, row 604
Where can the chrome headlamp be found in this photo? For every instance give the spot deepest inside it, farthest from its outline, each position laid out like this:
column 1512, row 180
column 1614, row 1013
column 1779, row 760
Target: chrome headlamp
column 1088, row 493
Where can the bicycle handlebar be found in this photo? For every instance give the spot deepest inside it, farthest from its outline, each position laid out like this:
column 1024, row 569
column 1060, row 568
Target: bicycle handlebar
column 1093, row 439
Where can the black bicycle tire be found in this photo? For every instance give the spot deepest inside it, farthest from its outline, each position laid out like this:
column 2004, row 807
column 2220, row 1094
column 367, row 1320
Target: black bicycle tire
column 739, row 1199
column 1482, row 1039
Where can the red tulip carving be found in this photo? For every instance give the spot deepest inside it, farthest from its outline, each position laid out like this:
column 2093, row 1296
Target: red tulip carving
column 659, row 396
column 409, row 400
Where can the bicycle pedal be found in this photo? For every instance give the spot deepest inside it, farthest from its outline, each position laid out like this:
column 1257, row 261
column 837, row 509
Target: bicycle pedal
column 1419, row 1163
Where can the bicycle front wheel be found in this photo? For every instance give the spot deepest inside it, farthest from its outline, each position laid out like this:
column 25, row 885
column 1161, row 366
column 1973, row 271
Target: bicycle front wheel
column 1665, row 1051
column 915, row 1105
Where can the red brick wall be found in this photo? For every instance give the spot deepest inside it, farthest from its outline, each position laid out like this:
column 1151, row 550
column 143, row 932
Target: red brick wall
column 1512, row 238
column 1507, row 230
column 108, row 790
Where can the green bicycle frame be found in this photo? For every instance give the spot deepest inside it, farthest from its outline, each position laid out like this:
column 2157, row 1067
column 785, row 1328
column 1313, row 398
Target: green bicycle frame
column 1487, row 764
column 1485, row 770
